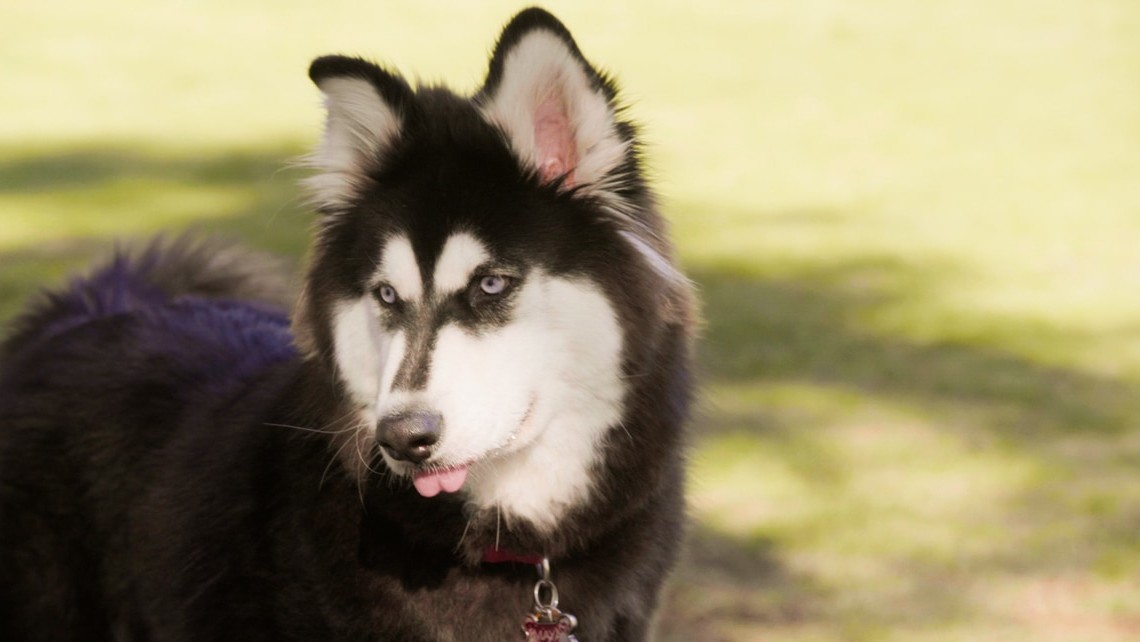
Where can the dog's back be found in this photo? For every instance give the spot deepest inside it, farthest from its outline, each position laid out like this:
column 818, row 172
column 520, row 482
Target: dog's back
column 145, row 281
column 94, row 379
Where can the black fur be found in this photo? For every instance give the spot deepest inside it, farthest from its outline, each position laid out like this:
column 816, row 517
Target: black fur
column 153, row 483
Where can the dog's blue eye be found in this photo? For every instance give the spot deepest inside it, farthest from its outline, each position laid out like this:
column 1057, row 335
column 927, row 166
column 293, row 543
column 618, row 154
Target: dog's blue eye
column 387, row 294
column 493, row 284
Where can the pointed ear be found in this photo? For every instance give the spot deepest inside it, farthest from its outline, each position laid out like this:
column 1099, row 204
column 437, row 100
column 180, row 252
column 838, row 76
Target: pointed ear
column 364, row 115
column 558, row 112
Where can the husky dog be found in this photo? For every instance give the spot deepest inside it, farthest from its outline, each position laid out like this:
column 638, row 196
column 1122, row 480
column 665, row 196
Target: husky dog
column 487, row 370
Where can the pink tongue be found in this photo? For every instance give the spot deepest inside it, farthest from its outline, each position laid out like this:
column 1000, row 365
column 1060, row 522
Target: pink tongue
column 430, row 484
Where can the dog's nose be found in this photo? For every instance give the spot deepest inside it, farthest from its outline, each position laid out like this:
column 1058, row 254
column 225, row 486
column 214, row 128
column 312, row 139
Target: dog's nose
column 409, row 436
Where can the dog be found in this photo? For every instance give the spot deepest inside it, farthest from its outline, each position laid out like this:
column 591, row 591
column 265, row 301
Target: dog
column 470, row 427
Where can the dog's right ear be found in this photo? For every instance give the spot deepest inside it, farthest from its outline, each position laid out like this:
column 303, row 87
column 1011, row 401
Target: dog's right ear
column 558, row 114
column 365, row 107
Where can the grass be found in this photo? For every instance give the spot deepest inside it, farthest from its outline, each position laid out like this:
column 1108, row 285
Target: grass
column 913, row 225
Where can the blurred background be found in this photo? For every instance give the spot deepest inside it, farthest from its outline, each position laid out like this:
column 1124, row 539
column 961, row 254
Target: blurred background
column 915, row 227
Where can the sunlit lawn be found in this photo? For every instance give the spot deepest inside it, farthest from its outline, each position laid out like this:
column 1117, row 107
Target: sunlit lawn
column 915, row 225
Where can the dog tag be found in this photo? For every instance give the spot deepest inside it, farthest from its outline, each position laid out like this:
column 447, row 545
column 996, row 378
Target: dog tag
column 547, row 623
column 550, row 626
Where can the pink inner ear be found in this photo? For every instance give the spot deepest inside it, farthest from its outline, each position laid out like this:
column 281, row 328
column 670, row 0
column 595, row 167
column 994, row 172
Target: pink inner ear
column 555, row 148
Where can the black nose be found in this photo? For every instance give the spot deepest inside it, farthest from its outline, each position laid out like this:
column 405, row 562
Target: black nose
column 409, row 436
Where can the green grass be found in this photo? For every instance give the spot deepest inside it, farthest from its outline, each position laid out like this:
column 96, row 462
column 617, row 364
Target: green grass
column 914, row 226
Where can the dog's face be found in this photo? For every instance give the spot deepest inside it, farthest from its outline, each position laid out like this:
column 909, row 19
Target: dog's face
column 477, row 271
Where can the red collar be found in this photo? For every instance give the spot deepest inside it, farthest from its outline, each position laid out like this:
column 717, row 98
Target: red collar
column 492, row 555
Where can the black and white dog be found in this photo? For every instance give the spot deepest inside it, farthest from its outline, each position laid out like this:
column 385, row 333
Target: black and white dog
column 488, row 366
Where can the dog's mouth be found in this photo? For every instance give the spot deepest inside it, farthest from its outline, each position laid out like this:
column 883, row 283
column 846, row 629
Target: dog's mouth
column 435, row 479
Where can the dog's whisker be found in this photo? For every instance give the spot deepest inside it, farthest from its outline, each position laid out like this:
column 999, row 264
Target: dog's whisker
column 463, row 536
column 336, row 455
column 628, row 434
column 498, row 521
column 305, row 429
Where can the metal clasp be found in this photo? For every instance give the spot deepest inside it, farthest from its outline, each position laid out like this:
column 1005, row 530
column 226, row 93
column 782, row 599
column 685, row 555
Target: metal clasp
column 545, row 584
column 548, row 624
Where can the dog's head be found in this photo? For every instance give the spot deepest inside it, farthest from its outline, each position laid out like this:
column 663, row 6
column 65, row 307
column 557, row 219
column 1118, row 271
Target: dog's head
column 488, row 271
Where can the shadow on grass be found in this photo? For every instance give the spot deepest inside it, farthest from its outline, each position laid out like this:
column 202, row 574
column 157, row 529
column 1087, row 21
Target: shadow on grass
column 723, row 580
column 28, row 171
column 129, row 191
column 805, row 326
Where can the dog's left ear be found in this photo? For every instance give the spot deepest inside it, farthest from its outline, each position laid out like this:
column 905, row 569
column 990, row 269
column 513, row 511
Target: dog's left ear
column 557, row 112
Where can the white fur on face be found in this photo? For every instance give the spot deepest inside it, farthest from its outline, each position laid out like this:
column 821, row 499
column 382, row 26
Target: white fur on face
column 568, row 365
column 360, row 348
column 358, row 126
column 461, row 255
column 398, row 268
column 541, row 73
column 526, row 405
column 367, row 358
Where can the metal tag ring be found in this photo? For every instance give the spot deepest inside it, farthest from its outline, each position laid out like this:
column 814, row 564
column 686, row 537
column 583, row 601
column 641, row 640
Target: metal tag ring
column 538, row 586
